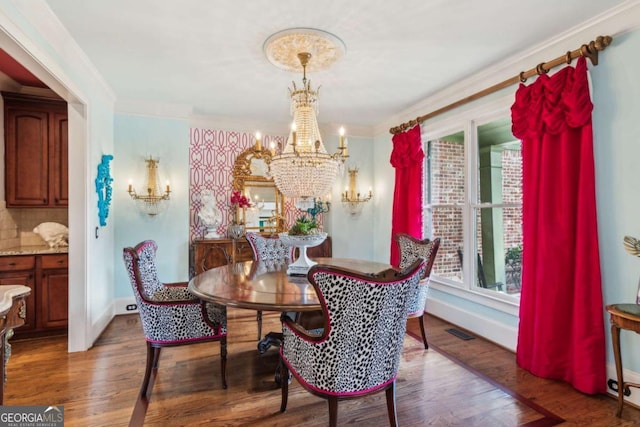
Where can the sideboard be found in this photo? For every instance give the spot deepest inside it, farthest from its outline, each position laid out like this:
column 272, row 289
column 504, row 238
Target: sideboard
column 210, row 253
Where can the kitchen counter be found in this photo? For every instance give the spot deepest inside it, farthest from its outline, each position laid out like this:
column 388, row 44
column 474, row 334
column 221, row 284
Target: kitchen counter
column 33, row 250
column 8, row 293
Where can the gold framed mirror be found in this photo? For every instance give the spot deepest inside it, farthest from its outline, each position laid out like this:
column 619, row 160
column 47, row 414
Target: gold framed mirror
column 250, row 177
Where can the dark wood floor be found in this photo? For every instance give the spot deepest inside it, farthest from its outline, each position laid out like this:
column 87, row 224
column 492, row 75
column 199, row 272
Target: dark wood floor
column 455, row 383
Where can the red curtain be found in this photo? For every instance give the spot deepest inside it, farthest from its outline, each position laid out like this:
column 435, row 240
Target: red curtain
column 561, row 331
column 406, row 158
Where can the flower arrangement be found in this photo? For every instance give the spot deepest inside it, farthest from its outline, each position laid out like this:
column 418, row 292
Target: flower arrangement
column 238, row 201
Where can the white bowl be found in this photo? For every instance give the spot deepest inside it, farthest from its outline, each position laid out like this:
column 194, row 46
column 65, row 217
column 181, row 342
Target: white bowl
column 309, row 240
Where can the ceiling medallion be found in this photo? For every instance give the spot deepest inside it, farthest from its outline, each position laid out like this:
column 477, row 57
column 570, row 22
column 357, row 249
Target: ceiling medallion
column 282, row 49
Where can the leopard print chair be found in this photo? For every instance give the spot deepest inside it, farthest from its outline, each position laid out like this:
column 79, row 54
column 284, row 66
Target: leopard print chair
column 358, row 351
column 268, row 251
column 170, row 314
column 411, row 249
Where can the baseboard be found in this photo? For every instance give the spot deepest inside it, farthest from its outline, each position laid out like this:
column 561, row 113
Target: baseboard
column 124, row 306
column 488, row 328
column 629, row 377
column 101, row 323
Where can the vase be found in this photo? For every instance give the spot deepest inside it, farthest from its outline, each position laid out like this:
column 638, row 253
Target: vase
column 235, row 231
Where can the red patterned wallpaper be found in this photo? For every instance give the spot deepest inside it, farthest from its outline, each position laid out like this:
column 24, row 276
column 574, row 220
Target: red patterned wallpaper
column 212, row 154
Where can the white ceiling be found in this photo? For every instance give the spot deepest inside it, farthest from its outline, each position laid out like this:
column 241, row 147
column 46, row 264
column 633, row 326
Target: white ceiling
column 206, row 55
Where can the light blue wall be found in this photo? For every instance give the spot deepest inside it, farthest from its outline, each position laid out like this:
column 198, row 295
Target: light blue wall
column 616, row 126
column 137, row 138
column 383, row 203
column 353, row 236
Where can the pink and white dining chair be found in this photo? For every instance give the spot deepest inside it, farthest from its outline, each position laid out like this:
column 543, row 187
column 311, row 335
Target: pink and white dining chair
column 169, row 313
column 271, row 253
column 411, row 249
column 357, row 352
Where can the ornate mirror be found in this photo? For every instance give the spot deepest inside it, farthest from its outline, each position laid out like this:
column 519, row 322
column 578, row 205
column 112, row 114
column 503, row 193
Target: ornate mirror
column 250, row 177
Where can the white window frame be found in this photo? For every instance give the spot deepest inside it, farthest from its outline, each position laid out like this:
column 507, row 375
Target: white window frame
column 467, row 121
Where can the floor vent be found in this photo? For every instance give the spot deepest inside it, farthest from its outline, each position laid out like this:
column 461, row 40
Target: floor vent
column 462, row 335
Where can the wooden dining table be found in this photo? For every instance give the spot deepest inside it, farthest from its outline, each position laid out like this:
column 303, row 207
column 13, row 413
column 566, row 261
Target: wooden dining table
column 259, row 285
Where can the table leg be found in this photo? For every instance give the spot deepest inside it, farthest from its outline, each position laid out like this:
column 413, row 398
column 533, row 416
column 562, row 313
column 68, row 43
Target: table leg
column 615, row 336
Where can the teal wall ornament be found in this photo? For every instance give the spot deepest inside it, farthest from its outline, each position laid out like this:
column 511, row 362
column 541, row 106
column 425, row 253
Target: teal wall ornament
column 103, row 188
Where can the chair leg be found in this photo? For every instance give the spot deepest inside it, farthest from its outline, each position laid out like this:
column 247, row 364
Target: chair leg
column 259, row 319
column 284, row 385
column 391, row 404
column 153, row 355
column 333, row 411
column 424, row 335
column 223, row 361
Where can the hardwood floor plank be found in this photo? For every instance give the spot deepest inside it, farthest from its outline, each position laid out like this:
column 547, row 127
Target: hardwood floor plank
column 434, row 388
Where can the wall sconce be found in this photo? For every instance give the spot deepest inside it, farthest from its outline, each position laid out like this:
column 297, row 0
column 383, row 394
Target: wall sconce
column 151, row 203
column 352, row 200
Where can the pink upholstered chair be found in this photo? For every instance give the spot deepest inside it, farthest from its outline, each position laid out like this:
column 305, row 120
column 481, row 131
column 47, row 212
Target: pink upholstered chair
column 270, row 252
column 410, row 250
column 170, row 314
column 357, row 352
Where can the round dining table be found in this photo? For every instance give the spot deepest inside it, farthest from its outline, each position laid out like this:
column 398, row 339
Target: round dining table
column 265, row 286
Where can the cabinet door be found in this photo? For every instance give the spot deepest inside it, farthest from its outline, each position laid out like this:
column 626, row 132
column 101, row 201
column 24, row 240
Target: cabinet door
column 59, row 174
column 26, row 157
column 24, row 278
column 54, row 294
column 243, row 251
column 210, row 254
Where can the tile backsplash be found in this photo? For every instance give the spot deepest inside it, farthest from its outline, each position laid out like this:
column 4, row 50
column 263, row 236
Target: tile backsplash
column 17, row 224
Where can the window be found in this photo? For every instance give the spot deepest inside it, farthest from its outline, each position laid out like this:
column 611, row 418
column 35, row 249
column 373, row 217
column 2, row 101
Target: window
column 473, row 202
column 498, row 208
column 445, row 195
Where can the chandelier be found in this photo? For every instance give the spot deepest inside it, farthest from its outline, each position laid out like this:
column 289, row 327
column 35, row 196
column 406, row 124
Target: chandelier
column 152, row 202
column 303, row 168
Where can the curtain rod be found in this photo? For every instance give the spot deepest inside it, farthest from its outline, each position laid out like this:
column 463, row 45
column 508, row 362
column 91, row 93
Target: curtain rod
column 589, row 50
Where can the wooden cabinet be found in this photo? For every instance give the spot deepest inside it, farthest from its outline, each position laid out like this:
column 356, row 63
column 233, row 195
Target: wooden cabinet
column 36, row 151
column 210, row 253
column 47, row 305
column 54, row 291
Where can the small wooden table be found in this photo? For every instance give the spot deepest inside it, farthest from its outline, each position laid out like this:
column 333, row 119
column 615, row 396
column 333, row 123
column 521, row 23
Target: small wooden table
column 249, row 285
column 623, row 316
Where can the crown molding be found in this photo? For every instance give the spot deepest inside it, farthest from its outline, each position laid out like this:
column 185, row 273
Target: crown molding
column 614, row 22
column 272, row 128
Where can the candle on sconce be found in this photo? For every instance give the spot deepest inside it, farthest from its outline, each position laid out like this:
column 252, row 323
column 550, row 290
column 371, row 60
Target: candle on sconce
column 130, row 186
column 258, row 141
column 272, row 147
column 168, row 187
column 341, row 137
column 370, row 192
